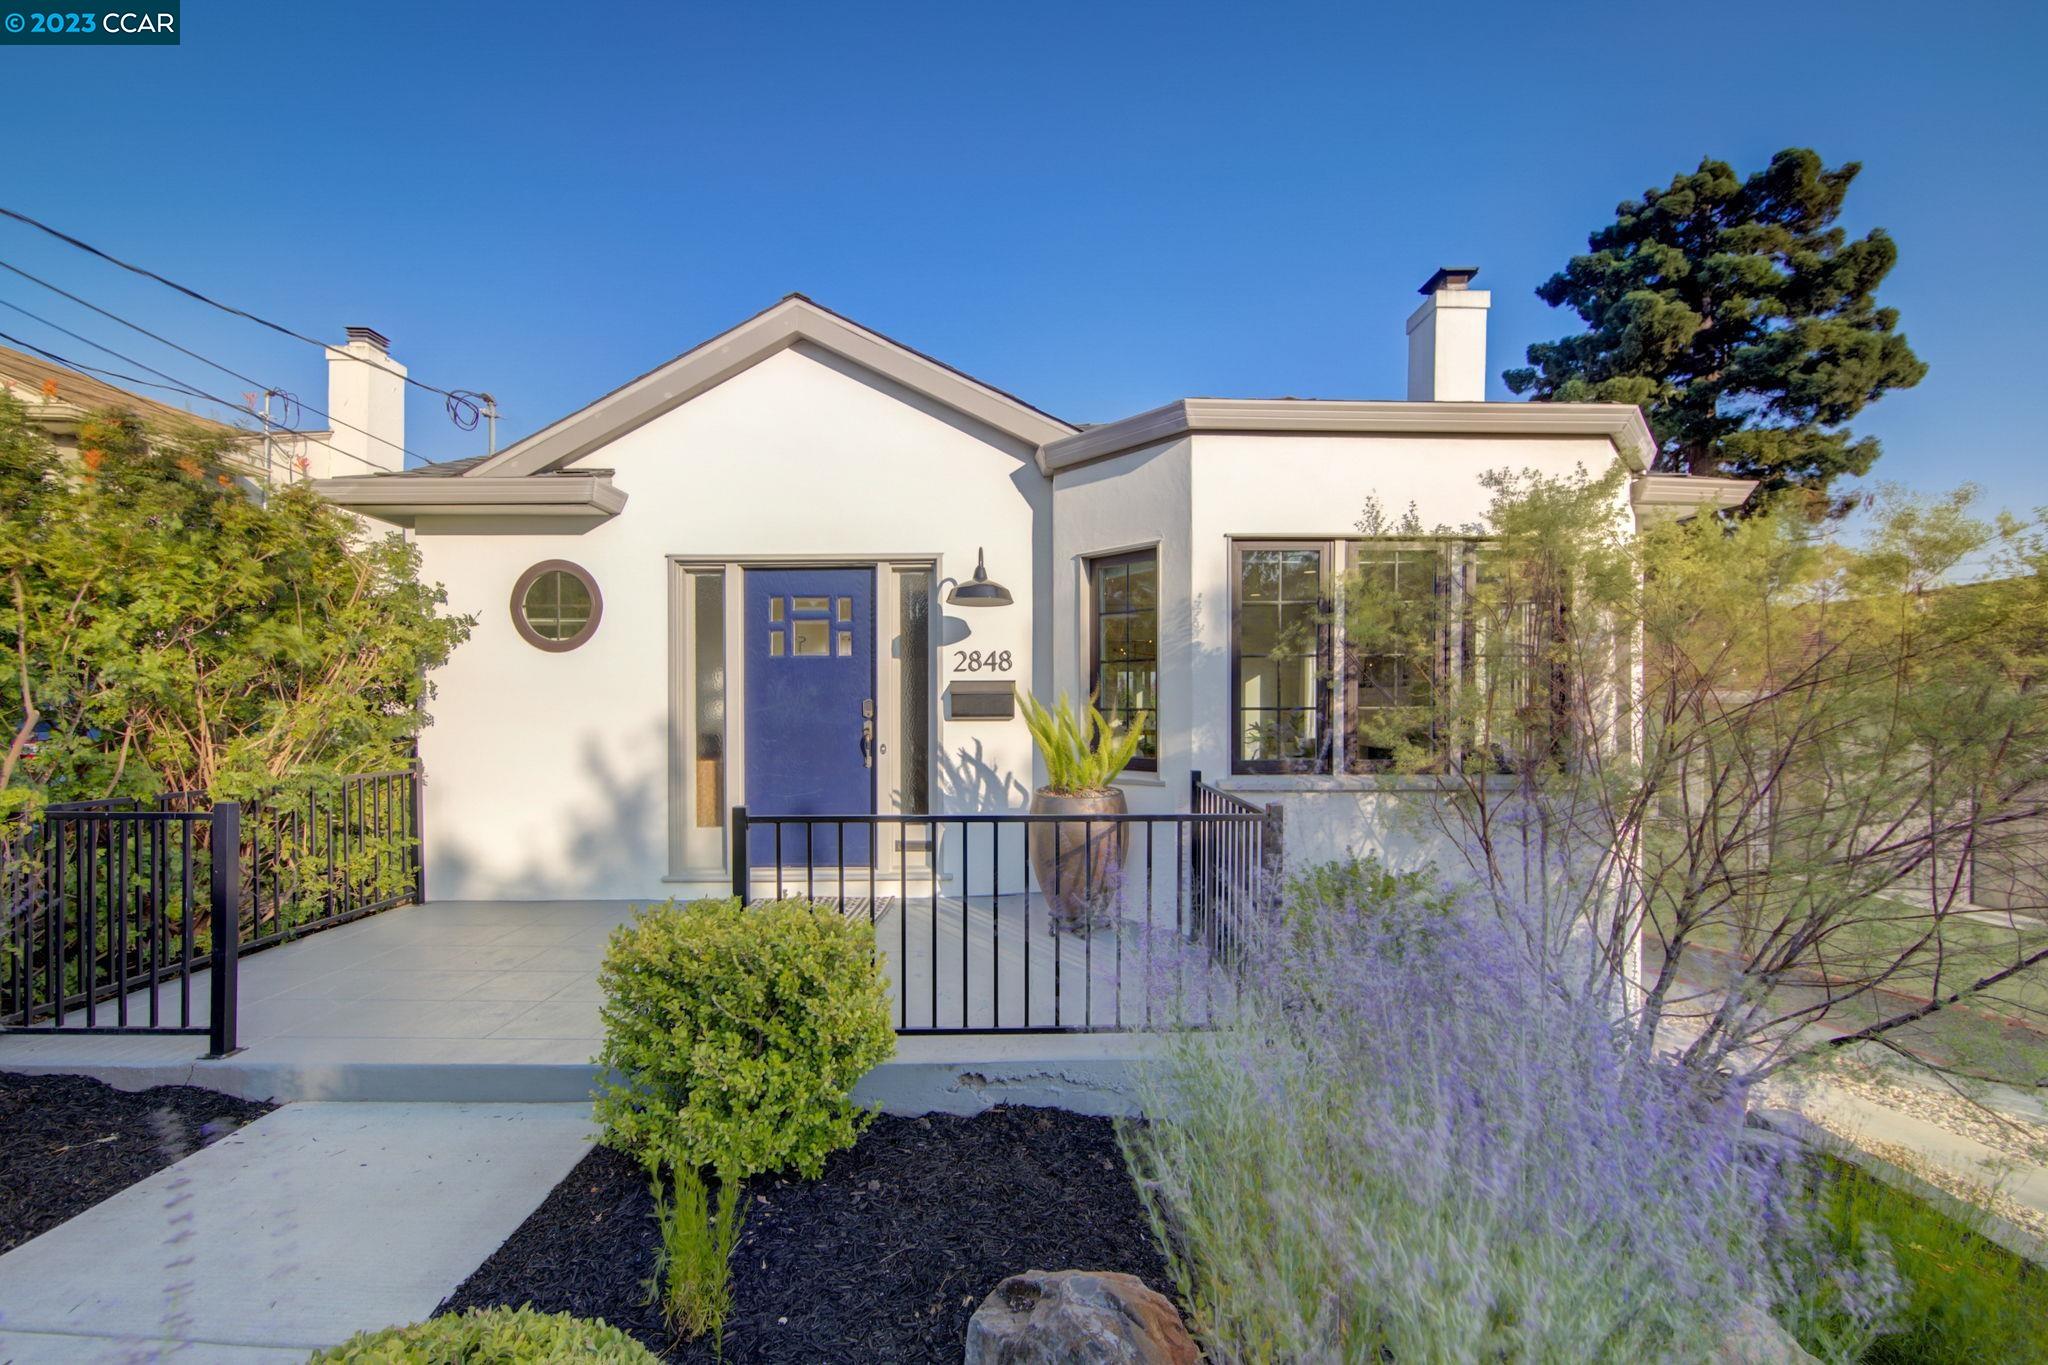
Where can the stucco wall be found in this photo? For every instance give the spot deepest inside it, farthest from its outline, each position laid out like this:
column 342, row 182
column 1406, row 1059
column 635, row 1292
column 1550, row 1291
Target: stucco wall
column 548, row 773
column 1129, row 502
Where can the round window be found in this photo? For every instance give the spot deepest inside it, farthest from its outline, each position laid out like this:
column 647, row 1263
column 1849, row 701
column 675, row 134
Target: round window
column 556, row 606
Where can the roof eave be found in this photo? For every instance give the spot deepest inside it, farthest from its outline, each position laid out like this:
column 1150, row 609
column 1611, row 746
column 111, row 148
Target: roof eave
column 1620, row 423
column 582, row 498
column 1679, row 496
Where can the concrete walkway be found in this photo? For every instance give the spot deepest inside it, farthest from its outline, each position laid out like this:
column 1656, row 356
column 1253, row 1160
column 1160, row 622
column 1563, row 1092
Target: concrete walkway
column 311, row 1224
column 1991, row 1152
column 497, row 1002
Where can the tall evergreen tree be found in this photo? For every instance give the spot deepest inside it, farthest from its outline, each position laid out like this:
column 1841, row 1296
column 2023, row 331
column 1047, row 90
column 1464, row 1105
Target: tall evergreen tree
column 1740, row 318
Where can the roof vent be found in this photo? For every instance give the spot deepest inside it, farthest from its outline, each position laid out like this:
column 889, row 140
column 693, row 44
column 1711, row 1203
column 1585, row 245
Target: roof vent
column 372, row 336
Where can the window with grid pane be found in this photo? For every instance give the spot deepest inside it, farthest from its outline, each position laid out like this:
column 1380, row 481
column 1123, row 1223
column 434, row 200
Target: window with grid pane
column 1278, row 701
column 1395, row 612
column 555, row 605
column 1123, row 671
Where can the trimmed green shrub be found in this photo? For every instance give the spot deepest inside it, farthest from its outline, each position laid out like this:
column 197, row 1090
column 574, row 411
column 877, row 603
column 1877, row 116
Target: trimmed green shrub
column 1337, row 898
column 1364, row 883
column 491, row 1336
column 735, row 1035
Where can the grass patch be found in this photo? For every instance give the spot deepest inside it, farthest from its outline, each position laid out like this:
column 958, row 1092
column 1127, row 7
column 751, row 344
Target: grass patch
column 1964, row 1297
column 1997, row 1034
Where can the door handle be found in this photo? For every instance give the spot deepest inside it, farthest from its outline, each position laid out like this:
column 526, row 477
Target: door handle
column 867, row 743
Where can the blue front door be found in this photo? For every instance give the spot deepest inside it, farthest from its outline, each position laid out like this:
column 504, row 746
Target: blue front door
column 810, row 699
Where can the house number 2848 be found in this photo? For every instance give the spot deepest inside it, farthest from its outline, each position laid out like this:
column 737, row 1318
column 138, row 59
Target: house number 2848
column 974, row 661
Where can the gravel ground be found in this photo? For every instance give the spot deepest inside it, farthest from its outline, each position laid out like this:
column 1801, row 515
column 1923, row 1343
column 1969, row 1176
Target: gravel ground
column 67, row 1142
column 885, row 1257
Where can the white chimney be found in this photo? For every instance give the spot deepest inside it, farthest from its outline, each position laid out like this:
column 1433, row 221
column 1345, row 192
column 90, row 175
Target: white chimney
column 366, row 408
column 1447, row 339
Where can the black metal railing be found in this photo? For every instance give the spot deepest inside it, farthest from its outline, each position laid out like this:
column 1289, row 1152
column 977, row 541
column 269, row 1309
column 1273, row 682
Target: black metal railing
column 1235, row 863
column 1020, row 923
column 330, row 852
column 113, row 910
column 114, row 907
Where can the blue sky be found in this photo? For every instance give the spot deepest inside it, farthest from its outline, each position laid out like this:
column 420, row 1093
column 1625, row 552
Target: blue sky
column 1098, row 207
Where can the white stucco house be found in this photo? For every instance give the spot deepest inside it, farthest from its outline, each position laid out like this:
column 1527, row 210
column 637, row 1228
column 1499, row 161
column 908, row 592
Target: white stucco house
column 748, row 578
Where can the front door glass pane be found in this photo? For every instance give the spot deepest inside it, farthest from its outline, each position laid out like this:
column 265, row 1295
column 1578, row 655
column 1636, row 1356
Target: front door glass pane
column 914, row 602
column 707, row 658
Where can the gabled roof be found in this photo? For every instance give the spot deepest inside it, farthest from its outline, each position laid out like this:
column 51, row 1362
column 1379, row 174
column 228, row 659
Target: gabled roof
column 794, row 319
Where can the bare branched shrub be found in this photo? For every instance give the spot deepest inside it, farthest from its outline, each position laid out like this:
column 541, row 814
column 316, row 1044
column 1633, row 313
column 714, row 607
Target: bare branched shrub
column 1775, row 784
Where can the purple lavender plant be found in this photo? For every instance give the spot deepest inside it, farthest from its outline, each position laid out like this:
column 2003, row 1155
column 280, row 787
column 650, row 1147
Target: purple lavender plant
column 1413, row 1140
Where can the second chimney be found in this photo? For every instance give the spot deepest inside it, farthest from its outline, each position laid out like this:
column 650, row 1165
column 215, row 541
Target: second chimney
column 366, row 400
column 1447, row 339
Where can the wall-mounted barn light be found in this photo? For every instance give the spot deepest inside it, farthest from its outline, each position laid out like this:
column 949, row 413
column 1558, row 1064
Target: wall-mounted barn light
column 979, row 591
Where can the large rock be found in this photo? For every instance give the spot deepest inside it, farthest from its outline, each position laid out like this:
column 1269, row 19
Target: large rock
column 1754, row 1337
column 1077, row 1317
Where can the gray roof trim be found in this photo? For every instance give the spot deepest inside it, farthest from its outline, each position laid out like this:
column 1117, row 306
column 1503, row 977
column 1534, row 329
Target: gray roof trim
column 1618, row 422
column 794, row 319
column 1683, row 492
column 401, row 501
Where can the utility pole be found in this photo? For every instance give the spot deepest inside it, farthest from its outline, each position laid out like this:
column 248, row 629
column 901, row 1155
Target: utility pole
column 491, row 416
column 267, row 456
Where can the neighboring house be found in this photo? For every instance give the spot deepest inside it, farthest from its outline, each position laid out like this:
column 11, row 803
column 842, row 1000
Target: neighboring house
column 749, row 577
column 365, row 397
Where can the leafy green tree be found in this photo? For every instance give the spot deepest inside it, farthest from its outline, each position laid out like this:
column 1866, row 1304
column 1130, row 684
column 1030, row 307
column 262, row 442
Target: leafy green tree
column 166, row 631
column 1736, row 313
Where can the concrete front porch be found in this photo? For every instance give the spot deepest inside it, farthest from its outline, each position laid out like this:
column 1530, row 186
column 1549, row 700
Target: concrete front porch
column 494, row 1001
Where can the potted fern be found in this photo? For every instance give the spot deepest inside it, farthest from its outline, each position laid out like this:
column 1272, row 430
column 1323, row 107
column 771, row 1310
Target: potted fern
column 1079, row 861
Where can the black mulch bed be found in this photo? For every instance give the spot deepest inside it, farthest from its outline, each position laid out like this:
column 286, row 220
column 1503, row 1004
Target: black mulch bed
column 67, row 1142
column 883, row 1258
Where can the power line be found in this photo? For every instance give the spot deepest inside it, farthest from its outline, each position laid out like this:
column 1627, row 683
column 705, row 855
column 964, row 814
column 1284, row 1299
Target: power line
column 173, row 386
column 104, row 373
column 231, row 373
column 455, row 397
column 295, row 402
column 177, row 385
column 172, row 381
column 131, row 326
